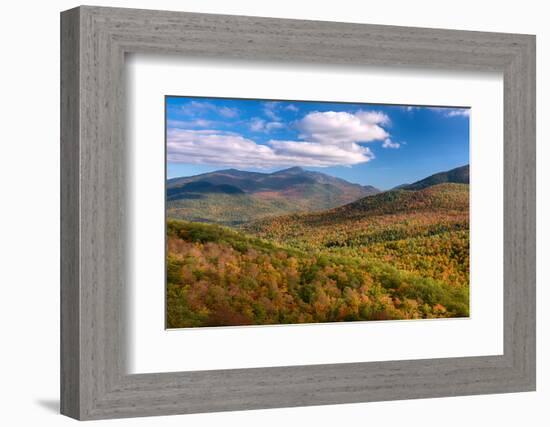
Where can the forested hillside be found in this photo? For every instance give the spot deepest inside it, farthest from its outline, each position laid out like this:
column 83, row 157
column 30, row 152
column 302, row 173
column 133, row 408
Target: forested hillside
column 400, row 254
column 233, row 197
column 460, row 175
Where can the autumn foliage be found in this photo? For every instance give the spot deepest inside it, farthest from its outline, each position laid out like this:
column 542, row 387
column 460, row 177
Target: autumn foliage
column 395, row 255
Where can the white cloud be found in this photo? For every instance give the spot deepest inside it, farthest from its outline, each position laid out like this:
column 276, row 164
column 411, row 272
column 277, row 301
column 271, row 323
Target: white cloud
column 270, row 110
column 195, row 108
column 318, row 154
column 373, row 117
column 292, row 107
column 257, row 125
column 274, row 125
column 272, row 115
column 213, row 147
column 216, row 147
column 325, row 139
column 189, row 123
column 452, row 112
column 340, row 127
column 260, row 125
column 388, row 143
column 464, row 112
column 445, row 111
column 228, row 112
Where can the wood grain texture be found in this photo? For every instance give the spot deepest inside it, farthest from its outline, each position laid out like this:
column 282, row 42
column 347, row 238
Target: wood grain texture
column 70, row 220
column 94, row 382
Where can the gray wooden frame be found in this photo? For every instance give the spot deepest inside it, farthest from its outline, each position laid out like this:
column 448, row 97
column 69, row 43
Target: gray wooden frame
column 94, row 382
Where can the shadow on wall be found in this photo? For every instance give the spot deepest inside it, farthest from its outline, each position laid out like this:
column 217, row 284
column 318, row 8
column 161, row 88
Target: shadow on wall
column 51, row 405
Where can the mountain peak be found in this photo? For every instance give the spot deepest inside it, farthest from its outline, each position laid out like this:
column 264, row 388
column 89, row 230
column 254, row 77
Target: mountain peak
column 460, row 175
column 232, row 170
column 294, row 169
column 230, row 196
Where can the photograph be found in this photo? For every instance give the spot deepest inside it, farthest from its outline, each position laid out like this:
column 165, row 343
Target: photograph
column 292, row 212
column 261, row 215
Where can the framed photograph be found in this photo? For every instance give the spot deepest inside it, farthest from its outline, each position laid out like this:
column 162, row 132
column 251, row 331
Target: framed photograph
column 262, row 213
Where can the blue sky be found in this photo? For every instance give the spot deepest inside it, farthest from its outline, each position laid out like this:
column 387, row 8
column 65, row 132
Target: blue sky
column 369, row 144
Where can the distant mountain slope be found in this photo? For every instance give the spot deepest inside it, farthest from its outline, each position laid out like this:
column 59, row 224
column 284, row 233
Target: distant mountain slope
column 191, row 190
column 253, row 182
column 400, row 254
column 392, row 215
column 233, row 197
column 460, row 175
column 446, row 197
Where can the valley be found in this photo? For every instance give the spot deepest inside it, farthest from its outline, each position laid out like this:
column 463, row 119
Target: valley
column 295, row 246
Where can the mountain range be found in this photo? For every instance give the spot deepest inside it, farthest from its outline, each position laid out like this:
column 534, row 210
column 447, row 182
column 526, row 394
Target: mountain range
column 304, row 247
column 384, row 217
column 234, row 197
column 460, row 175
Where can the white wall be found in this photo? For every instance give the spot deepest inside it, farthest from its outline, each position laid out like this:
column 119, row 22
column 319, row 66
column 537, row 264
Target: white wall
column 29, row 226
